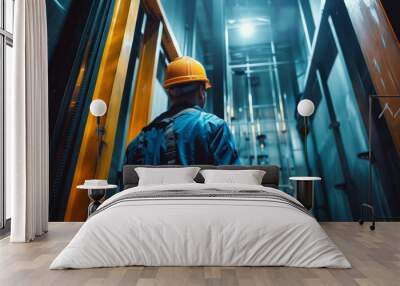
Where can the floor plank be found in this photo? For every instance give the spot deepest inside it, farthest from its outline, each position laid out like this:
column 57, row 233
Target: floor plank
column 375, row 257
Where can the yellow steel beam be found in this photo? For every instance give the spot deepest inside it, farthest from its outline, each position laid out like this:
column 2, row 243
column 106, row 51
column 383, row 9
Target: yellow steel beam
column 170, row 44
column 146, row 77
column 114, row 105
column 109, row 87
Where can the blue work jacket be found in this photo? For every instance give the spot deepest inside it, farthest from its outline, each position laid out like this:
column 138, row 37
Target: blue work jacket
column 200, row 138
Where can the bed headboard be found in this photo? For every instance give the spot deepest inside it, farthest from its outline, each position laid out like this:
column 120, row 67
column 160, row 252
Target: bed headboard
column 130, row 178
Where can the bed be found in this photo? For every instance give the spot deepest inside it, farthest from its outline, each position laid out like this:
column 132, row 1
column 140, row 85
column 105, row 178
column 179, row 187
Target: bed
column 197, row 224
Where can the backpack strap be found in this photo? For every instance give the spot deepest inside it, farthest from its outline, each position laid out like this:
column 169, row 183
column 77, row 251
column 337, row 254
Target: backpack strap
column 171, row 154
column 139, row 156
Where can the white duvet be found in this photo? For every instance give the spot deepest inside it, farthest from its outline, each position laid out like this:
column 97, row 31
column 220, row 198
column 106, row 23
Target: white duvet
column 200, row 231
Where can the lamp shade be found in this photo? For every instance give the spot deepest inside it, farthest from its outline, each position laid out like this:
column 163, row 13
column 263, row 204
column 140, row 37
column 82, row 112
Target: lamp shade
column 98, row 107
column 305, row 107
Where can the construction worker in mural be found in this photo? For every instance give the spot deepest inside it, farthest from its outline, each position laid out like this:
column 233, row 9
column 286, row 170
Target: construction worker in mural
column 185, row 134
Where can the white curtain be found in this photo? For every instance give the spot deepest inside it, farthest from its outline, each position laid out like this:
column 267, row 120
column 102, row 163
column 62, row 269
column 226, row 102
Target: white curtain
column 27, row 138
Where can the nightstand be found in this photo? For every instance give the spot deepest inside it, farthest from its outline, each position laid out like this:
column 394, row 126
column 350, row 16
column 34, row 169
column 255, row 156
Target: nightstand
column 96, row 195
column 304, row 190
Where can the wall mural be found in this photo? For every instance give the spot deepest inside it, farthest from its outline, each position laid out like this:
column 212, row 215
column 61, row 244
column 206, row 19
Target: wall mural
column 121, row 93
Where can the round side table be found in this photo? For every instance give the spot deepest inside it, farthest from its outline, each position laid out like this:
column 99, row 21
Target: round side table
column 96, row 195
column 304, row 190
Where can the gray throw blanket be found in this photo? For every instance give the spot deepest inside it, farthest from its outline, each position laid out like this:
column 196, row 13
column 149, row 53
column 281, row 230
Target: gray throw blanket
column 206, row 194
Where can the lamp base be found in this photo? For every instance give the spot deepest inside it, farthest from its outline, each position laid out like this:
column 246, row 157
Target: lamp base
column 96, row 197
column 365, row 208
column 304, row 191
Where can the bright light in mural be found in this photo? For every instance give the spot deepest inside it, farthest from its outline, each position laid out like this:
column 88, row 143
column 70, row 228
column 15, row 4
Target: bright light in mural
column 247, row 29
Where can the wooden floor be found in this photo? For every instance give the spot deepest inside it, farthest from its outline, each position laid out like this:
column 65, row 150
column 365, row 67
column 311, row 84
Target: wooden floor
column 375, row 257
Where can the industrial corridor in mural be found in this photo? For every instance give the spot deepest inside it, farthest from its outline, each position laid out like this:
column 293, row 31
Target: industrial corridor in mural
column 219, row 82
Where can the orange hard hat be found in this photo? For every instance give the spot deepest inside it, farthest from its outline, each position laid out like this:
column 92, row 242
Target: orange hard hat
column 185, row 70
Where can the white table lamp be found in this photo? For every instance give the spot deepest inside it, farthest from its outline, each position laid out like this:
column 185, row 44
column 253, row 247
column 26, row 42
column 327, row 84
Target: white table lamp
column 98, row 108
column 305, row 108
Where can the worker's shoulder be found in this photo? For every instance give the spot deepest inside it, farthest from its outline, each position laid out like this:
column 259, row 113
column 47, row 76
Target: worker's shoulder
column 212, row 117
column 213, row 122
column 199, row 114
column 201, row 118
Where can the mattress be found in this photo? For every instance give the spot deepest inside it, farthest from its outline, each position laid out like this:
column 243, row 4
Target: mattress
column 201, row 225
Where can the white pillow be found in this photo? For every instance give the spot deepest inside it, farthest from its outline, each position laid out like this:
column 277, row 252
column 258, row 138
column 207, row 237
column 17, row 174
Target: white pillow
column 165, row 176
column 248, row 177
